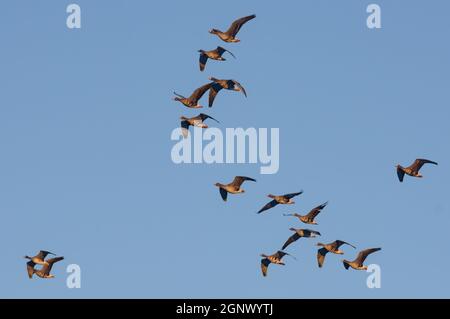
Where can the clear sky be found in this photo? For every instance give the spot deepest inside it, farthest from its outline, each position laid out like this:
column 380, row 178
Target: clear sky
column 85, row 168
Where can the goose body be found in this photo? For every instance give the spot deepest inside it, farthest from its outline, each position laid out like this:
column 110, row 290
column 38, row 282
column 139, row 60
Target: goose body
column 330, row 248
column 358, row 263
column 219, row 84
column 193, row 100
column 234, row 187
column 413, row 169
column 279, row 199
column 215, row 54
column 272, row 259
column 230, row 34
column 309, row 218
column 197, row 121
column 300, row 233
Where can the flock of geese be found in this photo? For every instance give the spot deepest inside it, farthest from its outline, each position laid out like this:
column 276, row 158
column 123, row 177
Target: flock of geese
column 214, row 87
column 235, row 188
column 358, row 262
column 334, row 247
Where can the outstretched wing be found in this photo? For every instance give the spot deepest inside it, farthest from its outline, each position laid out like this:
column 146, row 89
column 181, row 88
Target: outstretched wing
column 202, row 61
column 264, row 265
column 400, row 174
column 224, row 194
column 290, row 240
column 315, row 211
column 30, row 268
column 238, row 180
column 198, row 93
column 418, row 163
column 215, row 88
column 221, row 50
column 363, row 255
column 338, row 243
column 269, row 205
column 239, row 85
column 236, row 25
column 46, row 269
column 185, row 128
column 321, row 253
column 280, row 254
column 204, row 116
column 289, row 196
column 43, row 253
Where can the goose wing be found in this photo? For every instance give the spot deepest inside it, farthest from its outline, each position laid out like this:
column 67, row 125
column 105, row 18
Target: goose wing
column 338, row 243
column 220, row 50
column 215, row 88
column 202, row 61
column 289, row 196
column 280, row 254
column 363, row 255
column 30, row 268
column 321, row 253
column 43, row 253
column 223, row 194
column 400, row 174
column 264, row 265
column 46, row 269
column 315, row 211
column 236, row 25
column 238, row 180
column 185, row 128
column 198, row 93
column 269, row 205
column 239, row 85
column 204, row 116
column 290, row 240
column 418, row 163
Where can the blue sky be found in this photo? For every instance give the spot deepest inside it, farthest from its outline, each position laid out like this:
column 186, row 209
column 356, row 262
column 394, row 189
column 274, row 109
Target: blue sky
column 85, row 168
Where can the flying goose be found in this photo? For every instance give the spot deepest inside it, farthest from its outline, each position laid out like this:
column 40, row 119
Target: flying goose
column 192, row 101
column 197, row 121
column 272, row 259
column 44, row 272
column 282, row 199
column 218, row 85
column 39, row 259
column 330, row 248
column 215, row 54
column 358, row 262
column 299, row 233
column 309, row 218
column 234, row 187
column 412, row 170
column 230, row 34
